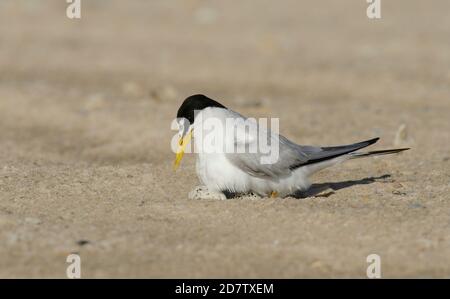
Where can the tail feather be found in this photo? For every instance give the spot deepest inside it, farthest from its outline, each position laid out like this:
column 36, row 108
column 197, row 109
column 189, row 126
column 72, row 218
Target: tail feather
column 377, row 153
column 353, row 154
column 331, row 152
column 326, row 156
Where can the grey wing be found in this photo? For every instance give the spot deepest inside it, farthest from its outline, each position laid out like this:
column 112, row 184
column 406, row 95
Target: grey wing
column 288, row 155
column 271, row 161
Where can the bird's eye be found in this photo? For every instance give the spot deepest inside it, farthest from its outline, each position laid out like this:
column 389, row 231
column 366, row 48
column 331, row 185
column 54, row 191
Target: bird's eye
column 183, row 126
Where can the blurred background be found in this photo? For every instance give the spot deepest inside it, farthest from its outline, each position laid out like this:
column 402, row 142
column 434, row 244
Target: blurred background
column 85, row 112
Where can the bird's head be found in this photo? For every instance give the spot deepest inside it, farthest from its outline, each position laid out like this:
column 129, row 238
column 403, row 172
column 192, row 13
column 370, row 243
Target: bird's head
column 186, row 118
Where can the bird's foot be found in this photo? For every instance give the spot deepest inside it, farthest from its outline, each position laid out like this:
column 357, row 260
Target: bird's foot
column 201, row 192
column 274, row 194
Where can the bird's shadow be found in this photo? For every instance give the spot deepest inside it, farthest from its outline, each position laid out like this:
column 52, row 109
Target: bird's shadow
column 328, row 189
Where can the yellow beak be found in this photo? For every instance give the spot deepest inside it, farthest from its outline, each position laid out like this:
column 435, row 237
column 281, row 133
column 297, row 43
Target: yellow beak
column 182, row 143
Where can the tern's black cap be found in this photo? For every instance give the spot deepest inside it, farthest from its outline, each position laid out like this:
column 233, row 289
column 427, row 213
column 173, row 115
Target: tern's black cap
column 196, row 102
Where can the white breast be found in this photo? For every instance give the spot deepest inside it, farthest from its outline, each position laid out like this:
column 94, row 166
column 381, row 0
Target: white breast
column 213, row 168
column 218, row 174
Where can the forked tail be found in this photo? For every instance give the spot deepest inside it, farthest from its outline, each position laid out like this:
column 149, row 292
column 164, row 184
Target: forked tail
column 329, row 156
column 376, row 153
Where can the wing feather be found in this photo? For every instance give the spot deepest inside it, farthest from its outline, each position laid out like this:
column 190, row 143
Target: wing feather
column 291, row 155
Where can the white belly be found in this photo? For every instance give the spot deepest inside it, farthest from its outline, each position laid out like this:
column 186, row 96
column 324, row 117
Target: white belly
column 218, row 174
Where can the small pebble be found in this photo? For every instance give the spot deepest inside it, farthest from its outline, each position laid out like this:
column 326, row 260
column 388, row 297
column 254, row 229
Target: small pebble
column 416, row 206
column 33, row 220
column 396, row 192
column 83, row 242
column 397, row 185
column 401, row 135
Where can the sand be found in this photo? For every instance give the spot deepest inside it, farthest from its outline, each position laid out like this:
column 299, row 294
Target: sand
column 86, row 166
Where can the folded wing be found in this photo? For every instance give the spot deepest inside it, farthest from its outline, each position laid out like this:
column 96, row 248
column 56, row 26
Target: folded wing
column 290, row 155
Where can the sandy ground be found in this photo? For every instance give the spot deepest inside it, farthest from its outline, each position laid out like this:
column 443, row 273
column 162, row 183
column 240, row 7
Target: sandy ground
column 85, row 113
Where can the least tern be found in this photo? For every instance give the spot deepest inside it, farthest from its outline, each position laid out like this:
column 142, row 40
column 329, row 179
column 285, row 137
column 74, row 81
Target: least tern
column 224, row 172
